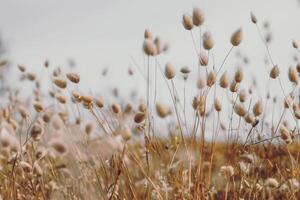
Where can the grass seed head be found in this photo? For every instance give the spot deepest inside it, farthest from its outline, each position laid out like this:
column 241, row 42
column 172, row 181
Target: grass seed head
column 253, row 18
column 59, row 82
column 208, row 42
column 170, row 71
column 257, row 108
column 198, row 16
column 237, row 37
column 211, row 78
column 224, row 80
column 73, row 77
column 149, row 47
column 274, row 73
column 293, row 75
column 187, row 22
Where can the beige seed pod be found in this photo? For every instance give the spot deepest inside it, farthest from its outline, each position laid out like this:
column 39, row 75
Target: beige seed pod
column 201, row 83
column 227, row 171
column 148, row 34
column 46, row 117
column 239, row 75
column 162, row 110
column 89, row 128
column 253, row 18
column 243, row 95
column 31, row 76
column 211, row 78
column 240, row 110
column 285, row 134
column 99, row 102
column 128, row 108
column 170, row 71
column 38, row 106
column 77, row 96
column 87, row 99
column 274, row 72
column 224, row 80
column 185, row 70
column 23, row 112
column 208, row 42
column 142, row 107
column 272, row 183
column 234, row 86
column 237, row 37
column 116, row 108
column 73, row 77
column 36, row 132
column 293, row 75
column 187, row 22
column 60, row 98
column 139, row 117
column 295, row 44
column 257, row 108
column 59, row 147
column 22, row 68
column 217, row 105
column 198, row 16
column 249, row 118
column 159, row 46
column 59, row 82
column 149, row 47
column 203, row 59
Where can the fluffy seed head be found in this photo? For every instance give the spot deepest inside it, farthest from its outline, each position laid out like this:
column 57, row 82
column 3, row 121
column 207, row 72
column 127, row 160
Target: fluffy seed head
column 298, row 67
column 162, row 110
column 36, row 131
column 271, row 183
column 139, row 117
column 208, row 42
column 99, row 102
column 170, row 71
column 149, row 47
column 237, row 37
column 125, row 131
column 274, row 73
column 203, row 59
column 257, row 108
column 234, row 86
column 59, row 147
column 211, row 78
column 198, row 16
column 249, row 118
column 295, row 44
column 253, row 18
column 148, row 34
column 293, row 75
column 224, row 80
column 116, row 108
column 201, row 83
column 217, row 105
column 285, row 134
column 240, row 109
column 38, row 106
column 227, row 171
column 243, row 95
column 187, row 22
column 22, row 68
column 59, row 82
column 73, row 77
column 239, row 75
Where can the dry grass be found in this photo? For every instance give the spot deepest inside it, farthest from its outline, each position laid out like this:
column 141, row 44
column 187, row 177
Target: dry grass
column 228, row 142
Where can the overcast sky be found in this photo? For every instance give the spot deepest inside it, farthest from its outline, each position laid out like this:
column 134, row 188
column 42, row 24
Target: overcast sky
column 98, row 33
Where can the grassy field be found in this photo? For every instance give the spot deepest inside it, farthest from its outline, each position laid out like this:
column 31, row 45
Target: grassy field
column 228, row 141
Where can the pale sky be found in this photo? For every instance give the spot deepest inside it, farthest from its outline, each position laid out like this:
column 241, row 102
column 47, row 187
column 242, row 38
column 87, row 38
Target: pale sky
column 98, row 33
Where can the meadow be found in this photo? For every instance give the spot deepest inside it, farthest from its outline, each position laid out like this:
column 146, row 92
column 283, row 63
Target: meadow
column 229, row 141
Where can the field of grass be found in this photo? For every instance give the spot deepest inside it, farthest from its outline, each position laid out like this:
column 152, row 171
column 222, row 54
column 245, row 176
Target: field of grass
column 227, row 142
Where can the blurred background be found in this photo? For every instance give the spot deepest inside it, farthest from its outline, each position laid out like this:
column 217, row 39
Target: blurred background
column 94, row 35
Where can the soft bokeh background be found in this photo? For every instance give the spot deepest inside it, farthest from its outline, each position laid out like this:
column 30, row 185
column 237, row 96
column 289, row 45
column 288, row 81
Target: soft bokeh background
column 99, row 34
